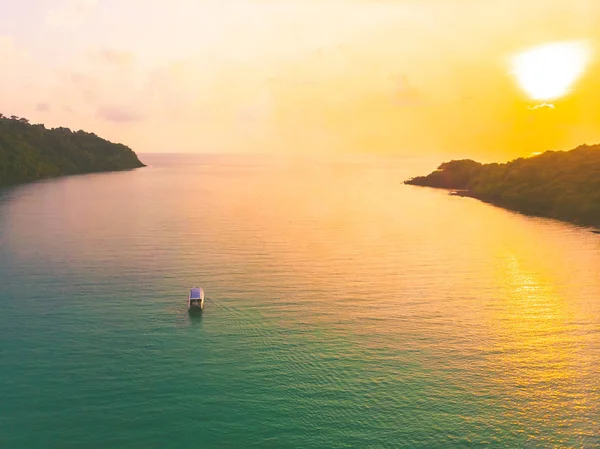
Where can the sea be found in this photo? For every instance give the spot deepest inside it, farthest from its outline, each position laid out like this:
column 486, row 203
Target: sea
column 344, row 309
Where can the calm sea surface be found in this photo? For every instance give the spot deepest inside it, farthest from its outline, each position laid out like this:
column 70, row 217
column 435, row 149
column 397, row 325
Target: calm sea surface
column 345, row 310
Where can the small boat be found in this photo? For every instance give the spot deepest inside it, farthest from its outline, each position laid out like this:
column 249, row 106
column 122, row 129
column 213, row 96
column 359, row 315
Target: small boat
column 196, row 299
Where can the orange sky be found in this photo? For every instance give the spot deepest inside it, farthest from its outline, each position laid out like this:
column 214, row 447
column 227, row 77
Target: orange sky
column 404, row 76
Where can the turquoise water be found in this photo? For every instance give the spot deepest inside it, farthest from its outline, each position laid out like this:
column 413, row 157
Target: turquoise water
column 345, row 310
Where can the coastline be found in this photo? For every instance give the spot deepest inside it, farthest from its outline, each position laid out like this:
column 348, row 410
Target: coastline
column 465, row 193
column 65, row 175
column 562, row 185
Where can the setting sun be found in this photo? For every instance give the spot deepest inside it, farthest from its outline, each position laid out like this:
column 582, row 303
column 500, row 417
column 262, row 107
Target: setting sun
column 547, row 72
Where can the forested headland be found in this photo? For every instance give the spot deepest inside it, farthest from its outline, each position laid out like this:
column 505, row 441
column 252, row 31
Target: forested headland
column 556, row 184
column 31, row 151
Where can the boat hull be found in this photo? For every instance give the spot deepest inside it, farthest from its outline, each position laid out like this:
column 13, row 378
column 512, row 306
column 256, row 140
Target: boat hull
column 195, row 310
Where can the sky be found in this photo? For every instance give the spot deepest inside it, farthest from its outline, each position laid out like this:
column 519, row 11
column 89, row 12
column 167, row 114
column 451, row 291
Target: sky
column 299, row 76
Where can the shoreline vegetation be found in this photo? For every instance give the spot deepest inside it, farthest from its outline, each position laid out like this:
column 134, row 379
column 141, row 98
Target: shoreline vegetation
column 564, row 185
column 30, row 152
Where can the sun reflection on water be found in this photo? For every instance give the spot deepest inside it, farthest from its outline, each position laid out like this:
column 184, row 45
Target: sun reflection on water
column 547, row 370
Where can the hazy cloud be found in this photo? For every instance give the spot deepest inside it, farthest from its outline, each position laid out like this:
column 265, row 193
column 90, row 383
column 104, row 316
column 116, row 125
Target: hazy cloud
column 541, row 106
column 169, row 92
column 405, row 93
column 86, row 86
column 42, row 107
column 114, row 57
column 119, row 114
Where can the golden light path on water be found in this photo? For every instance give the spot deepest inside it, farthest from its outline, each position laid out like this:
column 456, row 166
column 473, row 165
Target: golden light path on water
column 540, row 344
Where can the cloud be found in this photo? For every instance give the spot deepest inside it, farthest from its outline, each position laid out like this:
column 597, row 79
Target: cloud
column 541, row 106
column 116, row 94
column 86, row 86
column 118, row 58
column 42, row 107
column 405, row 93
column 70, row 13
column 118, row 114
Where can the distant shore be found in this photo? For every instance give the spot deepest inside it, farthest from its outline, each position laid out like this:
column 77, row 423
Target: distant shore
column 30, row 152
column 564, row 185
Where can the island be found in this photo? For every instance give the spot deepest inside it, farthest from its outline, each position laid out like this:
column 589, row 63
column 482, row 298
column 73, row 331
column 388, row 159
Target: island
column 30, row 152
column 558, row 184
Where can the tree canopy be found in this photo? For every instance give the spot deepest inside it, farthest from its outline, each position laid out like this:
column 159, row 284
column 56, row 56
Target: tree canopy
column 557, row 184
column 30, row 151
